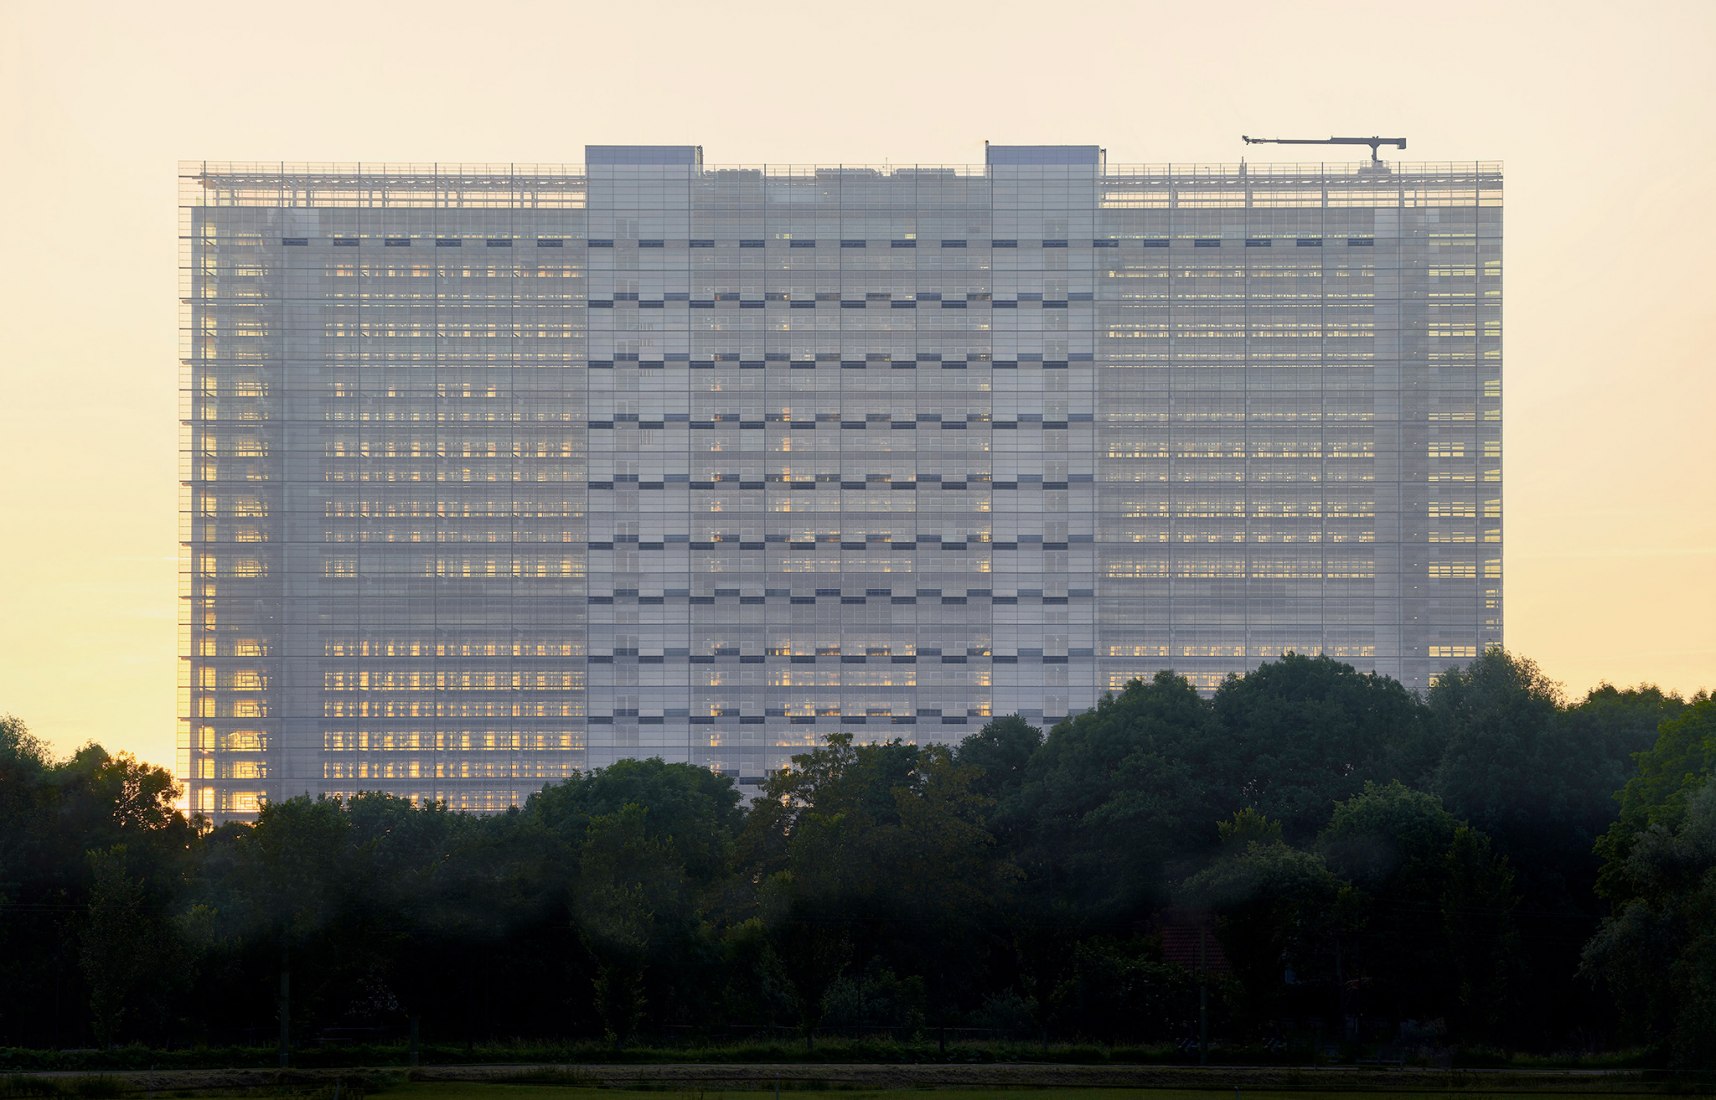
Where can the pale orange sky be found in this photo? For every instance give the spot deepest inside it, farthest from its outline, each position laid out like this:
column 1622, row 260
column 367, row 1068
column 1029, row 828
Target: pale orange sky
column 1601, row 112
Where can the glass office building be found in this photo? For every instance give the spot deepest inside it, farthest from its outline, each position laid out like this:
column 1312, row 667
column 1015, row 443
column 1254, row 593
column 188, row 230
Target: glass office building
column 497, row 473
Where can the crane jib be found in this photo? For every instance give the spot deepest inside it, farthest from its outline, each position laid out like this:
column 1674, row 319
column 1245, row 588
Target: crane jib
column 1375, row 143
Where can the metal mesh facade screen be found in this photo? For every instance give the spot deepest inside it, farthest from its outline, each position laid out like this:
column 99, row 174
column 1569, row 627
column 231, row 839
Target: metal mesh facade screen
column 497, row 473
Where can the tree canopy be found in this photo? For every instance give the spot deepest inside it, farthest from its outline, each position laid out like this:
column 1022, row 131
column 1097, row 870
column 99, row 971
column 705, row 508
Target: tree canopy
column 1489, row 859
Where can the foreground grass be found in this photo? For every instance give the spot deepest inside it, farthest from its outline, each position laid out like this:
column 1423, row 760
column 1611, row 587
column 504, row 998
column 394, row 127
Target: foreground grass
column 785, row 1052
column 840, row 1051
column 707, row 1093
column 471, row 1091
column 572, row 1083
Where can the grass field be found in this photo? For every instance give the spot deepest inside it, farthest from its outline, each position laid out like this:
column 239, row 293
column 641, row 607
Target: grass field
column 471, row 1091
column 1015, row 1081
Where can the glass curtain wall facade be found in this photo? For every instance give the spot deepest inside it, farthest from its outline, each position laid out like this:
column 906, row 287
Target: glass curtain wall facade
column 494, row 474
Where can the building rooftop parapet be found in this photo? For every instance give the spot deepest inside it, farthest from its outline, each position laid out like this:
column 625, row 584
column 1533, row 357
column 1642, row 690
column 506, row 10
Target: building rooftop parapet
column 210, row 183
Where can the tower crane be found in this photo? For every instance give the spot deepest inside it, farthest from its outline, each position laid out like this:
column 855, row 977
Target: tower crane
column 1373, row 142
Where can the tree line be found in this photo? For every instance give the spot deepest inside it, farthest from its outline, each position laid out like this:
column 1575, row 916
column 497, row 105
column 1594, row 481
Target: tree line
column 1311, row 854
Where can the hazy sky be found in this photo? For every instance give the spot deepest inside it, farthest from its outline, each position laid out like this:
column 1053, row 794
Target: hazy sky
column 1604, row 114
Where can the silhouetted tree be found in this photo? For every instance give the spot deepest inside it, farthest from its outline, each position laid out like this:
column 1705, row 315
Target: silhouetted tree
column 1277, row 911
column 1657, row 949
column 1303, row 733
column 1119, row 793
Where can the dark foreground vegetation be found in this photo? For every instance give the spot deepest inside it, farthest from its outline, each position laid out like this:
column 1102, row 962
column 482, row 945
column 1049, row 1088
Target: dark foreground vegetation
column 947, row 1081
column 1314, row 861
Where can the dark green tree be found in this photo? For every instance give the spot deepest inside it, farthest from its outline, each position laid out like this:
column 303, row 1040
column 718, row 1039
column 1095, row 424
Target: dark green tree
column 1514, row 767
column 51, row 814
column 682, row 824
column 130, row 949
column 1118, row 989
column 878, row 852
column 1277, row 912
column 1432, row 913
column 694, row 809
column 1656, row 951
column 1499, row 768
column 1681, row 756
column 1001, row 754
column 808, row 936
column 633, row 906
column 1118, row 797
column 1608, row 728
column 293, row 886
column 26, row 866
column 1480, row 926
column 1306, row 732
